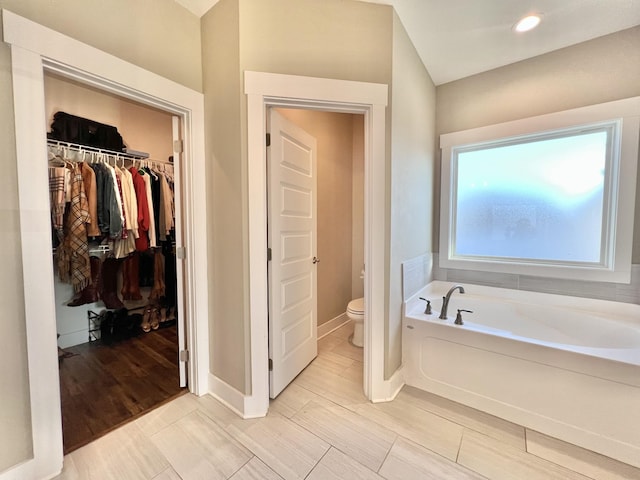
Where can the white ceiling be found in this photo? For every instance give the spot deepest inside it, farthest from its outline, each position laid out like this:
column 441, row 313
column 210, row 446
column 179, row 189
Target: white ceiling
column 459, row 38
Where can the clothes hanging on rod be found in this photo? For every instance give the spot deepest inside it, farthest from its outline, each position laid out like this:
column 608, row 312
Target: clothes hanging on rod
column 119, row 200
column 73, row 253
column 150, row 202
column 142, row 240
column 57, row 198
column 90, row 187
column 117, row 197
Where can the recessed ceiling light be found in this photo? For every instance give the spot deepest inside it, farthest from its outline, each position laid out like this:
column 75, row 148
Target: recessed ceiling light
column 527, row 23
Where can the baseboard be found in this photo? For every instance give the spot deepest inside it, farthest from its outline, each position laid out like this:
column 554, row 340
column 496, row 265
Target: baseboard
column 391, row 387
column 332, row 325
column 33, row 468
column 245, row 406
column 226, row 394
column 396, row 382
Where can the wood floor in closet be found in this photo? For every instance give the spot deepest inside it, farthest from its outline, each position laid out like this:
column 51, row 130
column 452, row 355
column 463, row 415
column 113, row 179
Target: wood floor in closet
column 105, row 386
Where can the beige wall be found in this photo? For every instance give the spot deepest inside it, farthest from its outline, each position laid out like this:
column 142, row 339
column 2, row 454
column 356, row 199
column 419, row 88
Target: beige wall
column 342, row 39
column 357, row 208
column 226, row 193
column 142, row 128
column 158, row 35
column 334, row 135
column 600, row 70
column 411, row 176
column 331, row 39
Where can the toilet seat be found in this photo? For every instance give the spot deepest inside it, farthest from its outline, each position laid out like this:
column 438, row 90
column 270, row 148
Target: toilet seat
column 355, row 311
column 356, row 306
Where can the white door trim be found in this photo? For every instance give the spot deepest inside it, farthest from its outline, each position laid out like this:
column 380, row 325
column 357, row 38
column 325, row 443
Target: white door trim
column 266, row 90
column 35, row 49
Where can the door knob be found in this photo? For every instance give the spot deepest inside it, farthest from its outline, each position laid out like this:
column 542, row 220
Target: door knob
column 316, row 260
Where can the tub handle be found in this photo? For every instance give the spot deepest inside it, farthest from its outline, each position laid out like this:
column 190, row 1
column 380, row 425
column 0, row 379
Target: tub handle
column 459, row 316
column 427, row 310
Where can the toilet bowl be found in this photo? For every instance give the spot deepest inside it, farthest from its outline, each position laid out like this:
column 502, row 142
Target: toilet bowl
column 355, row 311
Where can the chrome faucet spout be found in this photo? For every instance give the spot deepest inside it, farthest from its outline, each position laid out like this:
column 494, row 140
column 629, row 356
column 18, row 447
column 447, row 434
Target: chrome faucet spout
column 445, row 300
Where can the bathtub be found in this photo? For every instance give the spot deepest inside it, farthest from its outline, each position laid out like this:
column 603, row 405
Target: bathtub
column 564, row 366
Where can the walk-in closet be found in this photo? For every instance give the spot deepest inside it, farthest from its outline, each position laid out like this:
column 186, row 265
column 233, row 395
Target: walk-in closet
column 114, row 191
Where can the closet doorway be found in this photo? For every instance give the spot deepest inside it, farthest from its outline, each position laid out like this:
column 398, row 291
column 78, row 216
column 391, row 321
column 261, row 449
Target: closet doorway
column 120, row 336
column 36, row 50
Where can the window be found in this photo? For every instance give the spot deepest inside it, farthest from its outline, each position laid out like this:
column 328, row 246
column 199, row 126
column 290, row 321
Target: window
column 539, row 198
column 554, row 198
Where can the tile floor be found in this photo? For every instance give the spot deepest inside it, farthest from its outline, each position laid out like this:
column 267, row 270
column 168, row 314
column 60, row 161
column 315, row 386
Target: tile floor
column 322, row 427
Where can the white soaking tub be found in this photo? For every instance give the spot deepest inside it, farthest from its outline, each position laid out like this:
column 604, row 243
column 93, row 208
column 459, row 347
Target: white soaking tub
column 568, row 367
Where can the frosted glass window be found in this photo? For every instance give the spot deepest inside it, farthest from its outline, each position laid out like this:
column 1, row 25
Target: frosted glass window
column 540, row 199
column 552, row 196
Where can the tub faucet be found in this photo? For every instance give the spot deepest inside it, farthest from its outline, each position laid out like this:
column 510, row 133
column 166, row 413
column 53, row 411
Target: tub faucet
column 445, row 301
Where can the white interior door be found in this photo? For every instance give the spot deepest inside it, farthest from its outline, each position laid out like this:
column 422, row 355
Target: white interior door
column 177, row 177
column 292, row 240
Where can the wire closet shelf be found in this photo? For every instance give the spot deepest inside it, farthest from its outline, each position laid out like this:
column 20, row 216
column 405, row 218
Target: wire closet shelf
column 86, row 153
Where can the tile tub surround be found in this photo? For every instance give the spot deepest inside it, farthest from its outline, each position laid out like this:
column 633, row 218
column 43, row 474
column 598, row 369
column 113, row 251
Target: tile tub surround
column 416, row 273
column 568, row 367
column 346, row 438
column 616, row 292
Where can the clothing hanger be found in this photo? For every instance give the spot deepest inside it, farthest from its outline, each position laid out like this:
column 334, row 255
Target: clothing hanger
column 151, row 172
column 57, row 161
column 65, row 156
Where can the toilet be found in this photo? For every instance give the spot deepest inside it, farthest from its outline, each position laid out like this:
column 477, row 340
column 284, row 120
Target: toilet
column 355, row 311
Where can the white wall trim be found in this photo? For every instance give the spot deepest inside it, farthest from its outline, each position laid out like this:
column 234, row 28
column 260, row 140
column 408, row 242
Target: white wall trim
column 227, row 395
column 392, row 386
column 46, row 420
column 332, row 325
column 354, row 96
column 233, row 399
column 264, row 90
column 34, row 49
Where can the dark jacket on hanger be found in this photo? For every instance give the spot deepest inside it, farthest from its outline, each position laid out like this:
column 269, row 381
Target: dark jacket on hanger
column 103, row 214
column 109, row 219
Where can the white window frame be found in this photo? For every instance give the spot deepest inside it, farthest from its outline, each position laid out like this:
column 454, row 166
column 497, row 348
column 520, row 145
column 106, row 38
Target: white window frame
column 618, row 239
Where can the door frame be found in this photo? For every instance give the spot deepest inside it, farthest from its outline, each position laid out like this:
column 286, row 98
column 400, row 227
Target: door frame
column 266, row 90
column 34, row 50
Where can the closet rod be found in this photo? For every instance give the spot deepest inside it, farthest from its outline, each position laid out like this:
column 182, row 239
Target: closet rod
column 86, row 148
